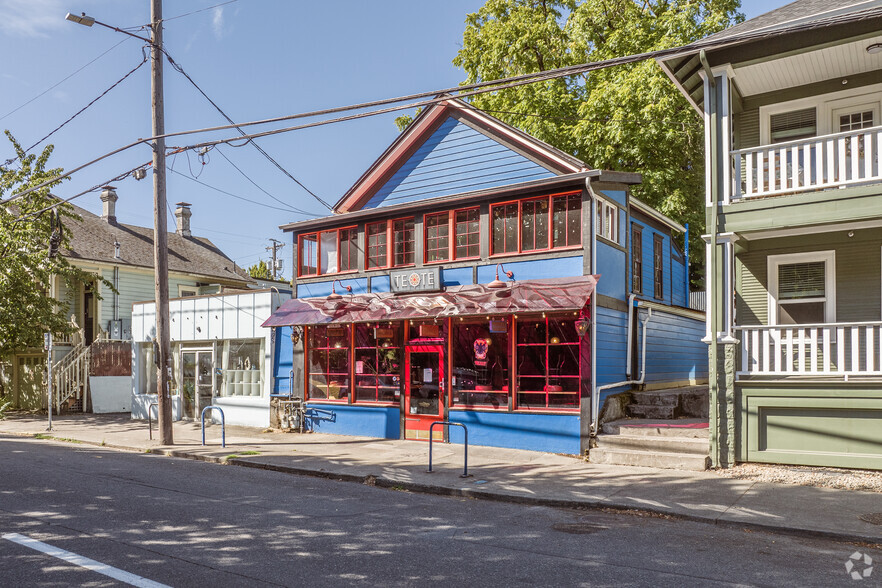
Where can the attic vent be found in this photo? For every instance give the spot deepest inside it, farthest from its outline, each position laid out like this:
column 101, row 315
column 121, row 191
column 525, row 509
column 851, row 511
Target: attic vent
column 793, row 125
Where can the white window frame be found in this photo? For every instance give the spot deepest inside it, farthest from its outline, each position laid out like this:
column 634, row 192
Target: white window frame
column 182, row 289
column 829, row 259
column 608, row 228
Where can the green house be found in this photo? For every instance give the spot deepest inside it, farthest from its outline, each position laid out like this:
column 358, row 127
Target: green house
column 791, row 102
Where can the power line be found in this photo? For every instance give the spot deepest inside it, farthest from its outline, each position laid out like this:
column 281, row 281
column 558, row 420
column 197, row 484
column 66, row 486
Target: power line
column 200, row 10
column 180, row 70
column 471, row 89
column 53, row 86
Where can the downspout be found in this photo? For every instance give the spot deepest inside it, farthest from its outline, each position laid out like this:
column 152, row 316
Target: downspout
column 593, row 340
column 629, row 382
column 710, row 278
column 686, row 261
column 630, row 331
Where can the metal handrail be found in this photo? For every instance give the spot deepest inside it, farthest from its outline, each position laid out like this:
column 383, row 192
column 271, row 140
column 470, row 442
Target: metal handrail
column 223, row 425
column 150, row 419
column 465, row 451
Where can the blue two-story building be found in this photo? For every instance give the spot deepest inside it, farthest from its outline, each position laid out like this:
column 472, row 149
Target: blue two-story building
column 477, row 275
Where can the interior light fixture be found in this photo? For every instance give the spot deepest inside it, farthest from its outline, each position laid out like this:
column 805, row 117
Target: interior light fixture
column 874, row 48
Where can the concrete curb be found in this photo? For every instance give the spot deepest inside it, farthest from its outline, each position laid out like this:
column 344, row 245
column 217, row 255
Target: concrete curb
column 436, row 490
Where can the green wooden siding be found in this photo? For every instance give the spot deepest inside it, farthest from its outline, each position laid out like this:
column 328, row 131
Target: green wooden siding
column 858, row 274
column 134, row 287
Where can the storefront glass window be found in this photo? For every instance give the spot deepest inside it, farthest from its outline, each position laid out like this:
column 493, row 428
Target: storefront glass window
column 377, row 362
column 147, row 379
column 480, row 363
column 243, row 367
column 548, row 363
column 329, row 352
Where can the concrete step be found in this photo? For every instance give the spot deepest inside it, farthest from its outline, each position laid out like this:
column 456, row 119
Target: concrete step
column 664, row 444
column 653, row 411
column 696, row 428
column 663, row 398
column 650, row 459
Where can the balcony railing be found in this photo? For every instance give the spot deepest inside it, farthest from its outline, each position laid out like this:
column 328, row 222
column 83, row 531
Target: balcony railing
column 818, row 163
column 832, row 349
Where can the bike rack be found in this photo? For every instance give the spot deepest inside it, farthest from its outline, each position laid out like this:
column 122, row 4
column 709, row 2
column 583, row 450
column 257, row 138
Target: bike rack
column 150, row 419
column 465, row 451
column 223, row 425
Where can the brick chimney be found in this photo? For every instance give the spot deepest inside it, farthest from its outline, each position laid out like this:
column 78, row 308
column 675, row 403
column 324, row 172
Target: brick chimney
column 182, row 216
column 108, row 199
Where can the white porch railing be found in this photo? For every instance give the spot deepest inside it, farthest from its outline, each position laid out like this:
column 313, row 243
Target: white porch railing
column 833, row 349
column 827, row 161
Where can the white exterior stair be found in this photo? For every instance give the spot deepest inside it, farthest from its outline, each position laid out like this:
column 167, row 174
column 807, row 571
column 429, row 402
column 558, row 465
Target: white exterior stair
column 659, row 443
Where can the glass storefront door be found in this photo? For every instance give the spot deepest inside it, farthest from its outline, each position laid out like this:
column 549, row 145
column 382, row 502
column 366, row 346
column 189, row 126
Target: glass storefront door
column 197, row 380
column 425, row 392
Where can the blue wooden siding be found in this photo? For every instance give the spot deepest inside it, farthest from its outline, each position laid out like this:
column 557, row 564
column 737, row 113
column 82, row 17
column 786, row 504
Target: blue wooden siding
column 322, row 289
column 612, row 343
column 620, row 197
column 535, row 432
column 674, row 349
column 668, row 263
column 456, row 158
column 365, row 421
column 283, row 361
column 679, row 297
column 381, row 284
column 557, row 267
column 457, row 276
column 611, row 264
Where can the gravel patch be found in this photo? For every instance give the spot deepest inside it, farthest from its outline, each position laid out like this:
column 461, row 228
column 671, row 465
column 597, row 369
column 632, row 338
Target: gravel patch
column 866, row 480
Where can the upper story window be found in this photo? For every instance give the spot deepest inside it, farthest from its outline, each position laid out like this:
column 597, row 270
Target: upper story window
column 402, row 242
column 636, row 258
column 395, row 235
column 793, row 125
column 607, row 220
column 467, row 228
column 463, row 225
column 536, row 224
column 377, row 242
column 802, row 288
column 329, row 252
column 437, row 227
column 855, row 121
column 658, row 269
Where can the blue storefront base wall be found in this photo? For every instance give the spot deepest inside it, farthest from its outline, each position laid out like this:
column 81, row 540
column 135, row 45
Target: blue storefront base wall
column 364, row 421
column 535, row 432
column 283, row 360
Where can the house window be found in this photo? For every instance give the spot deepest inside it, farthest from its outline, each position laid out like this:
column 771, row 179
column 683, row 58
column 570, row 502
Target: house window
column 658, row 266
column 548, row 366
column 636, row 258
column 855, row 121
column 402, row 242
column 329, row 352
column 801, row 288
column 793, row 125
column 377, row 362
column 607, row 220
column 376, row 245
column 328, row 252
column 537, row 224
column 468, row 233
column 437, row 228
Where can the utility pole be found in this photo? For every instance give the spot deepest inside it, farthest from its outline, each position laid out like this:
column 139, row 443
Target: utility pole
column 276, row 245
column 160, row 227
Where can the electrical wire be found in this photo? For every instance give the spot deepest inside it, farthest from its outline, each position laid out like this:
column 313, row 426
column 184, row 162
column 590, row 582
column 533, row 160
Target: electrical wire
column 53, row 86
column 474, row 89
column 83, row 109
column 260, row 149
column 200, row 10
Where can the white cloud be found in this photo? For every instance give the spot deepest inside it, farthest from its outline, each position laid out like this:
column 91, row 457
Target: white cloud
column 31, row 18
column 217, row 22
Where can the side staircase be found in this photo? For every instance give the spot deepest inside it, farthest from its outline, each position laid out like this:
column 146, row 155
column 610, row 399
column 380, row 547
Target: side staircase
column 660, row 429
column 70, row 379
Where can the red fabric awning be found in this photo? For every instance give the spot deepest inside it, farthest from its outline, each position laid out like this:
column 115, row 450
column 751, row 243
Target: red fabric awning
column 550, row 295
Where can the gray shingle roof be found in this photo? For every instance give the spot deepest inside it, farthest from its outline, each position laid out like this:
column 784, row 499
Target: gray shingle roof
column 92, row 239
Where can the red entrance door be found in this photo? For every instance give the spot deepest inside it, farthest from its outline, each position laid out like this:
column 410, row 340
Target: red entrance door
column 425, row 391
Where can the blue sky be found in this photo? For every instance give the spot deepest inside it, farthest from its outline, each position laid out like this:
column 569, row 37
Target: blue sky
column 256, row 59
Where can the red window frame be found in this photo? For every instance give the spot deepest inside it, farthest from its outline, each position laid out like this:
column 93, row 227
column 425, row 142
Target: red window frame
column 573, row 215
column 405, row 256
column 546, row 377
column 472, row 238
column 432, row 241
column 523, row 215
column 376, row 253
column 316, row 245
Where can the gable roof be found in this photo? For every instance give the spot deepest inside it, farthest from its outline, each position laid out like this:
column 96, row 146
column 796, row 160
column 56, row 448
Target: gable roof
column 92, row 239
column 449, row 124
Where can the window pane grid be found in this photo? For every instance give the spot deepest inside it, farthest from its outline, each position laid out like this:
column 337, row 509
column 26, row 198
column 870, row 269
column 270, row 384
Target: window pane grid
column 468, row 233
column 636, row 260
column 403, row 242
column 549, row 365
column 658, row 266
column 437, row 237
column 376, row 245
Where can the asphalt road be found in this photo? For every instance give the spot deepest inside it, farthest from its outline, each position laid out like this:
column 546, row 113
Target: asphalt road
column 187, row 523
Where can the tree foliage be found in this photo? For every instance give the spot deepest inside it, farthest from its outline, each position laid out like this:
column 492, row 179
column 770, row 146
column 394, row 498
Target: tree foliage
column 625, row 118
column 260, row 271
column 26, row 269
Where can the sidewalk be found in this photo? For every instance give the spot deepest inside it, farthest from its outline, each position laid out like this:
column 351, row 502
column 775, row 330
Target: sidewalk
column 497, row 474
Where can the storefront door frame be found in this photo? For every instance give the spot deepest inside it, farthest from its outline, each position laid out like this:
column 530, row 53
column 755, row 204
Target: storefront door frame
column 419, row 413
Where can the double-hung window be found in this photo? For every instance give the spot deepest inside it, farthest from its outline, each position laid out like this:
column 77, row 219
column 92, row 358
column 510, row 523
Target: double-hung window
column 536, row 224
column 377, row 245
column 658, row 266
column 402, row 242
column 802, row 288
column 328, row 252
column 607, row 221
column 437, row 228
column 636, row 258
column 463, row 225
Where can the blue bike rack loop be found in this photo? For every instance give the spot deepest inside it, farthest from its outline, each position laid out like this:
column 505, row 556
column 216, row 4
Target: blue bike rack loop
column 223, row 425
column 465, row 450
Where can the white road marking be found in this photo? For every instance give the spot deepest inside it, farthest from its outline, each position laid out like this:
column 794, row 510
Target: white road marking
column 83, row 562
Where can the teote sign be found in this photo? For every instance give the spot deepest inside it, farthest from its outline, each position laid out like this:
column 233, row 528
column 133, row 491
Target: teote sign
column 416, row 280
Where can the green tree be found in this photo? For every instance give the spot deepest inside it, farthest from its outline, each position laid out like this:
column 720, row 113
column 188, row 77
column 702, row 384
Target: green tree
column 260, row 271
column 26, row 267
column 626, row 118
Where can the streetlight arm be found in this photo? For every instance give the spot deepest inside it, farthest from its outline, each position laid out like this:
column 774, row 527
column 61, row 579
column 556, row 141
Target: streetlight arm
column 89, row 21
